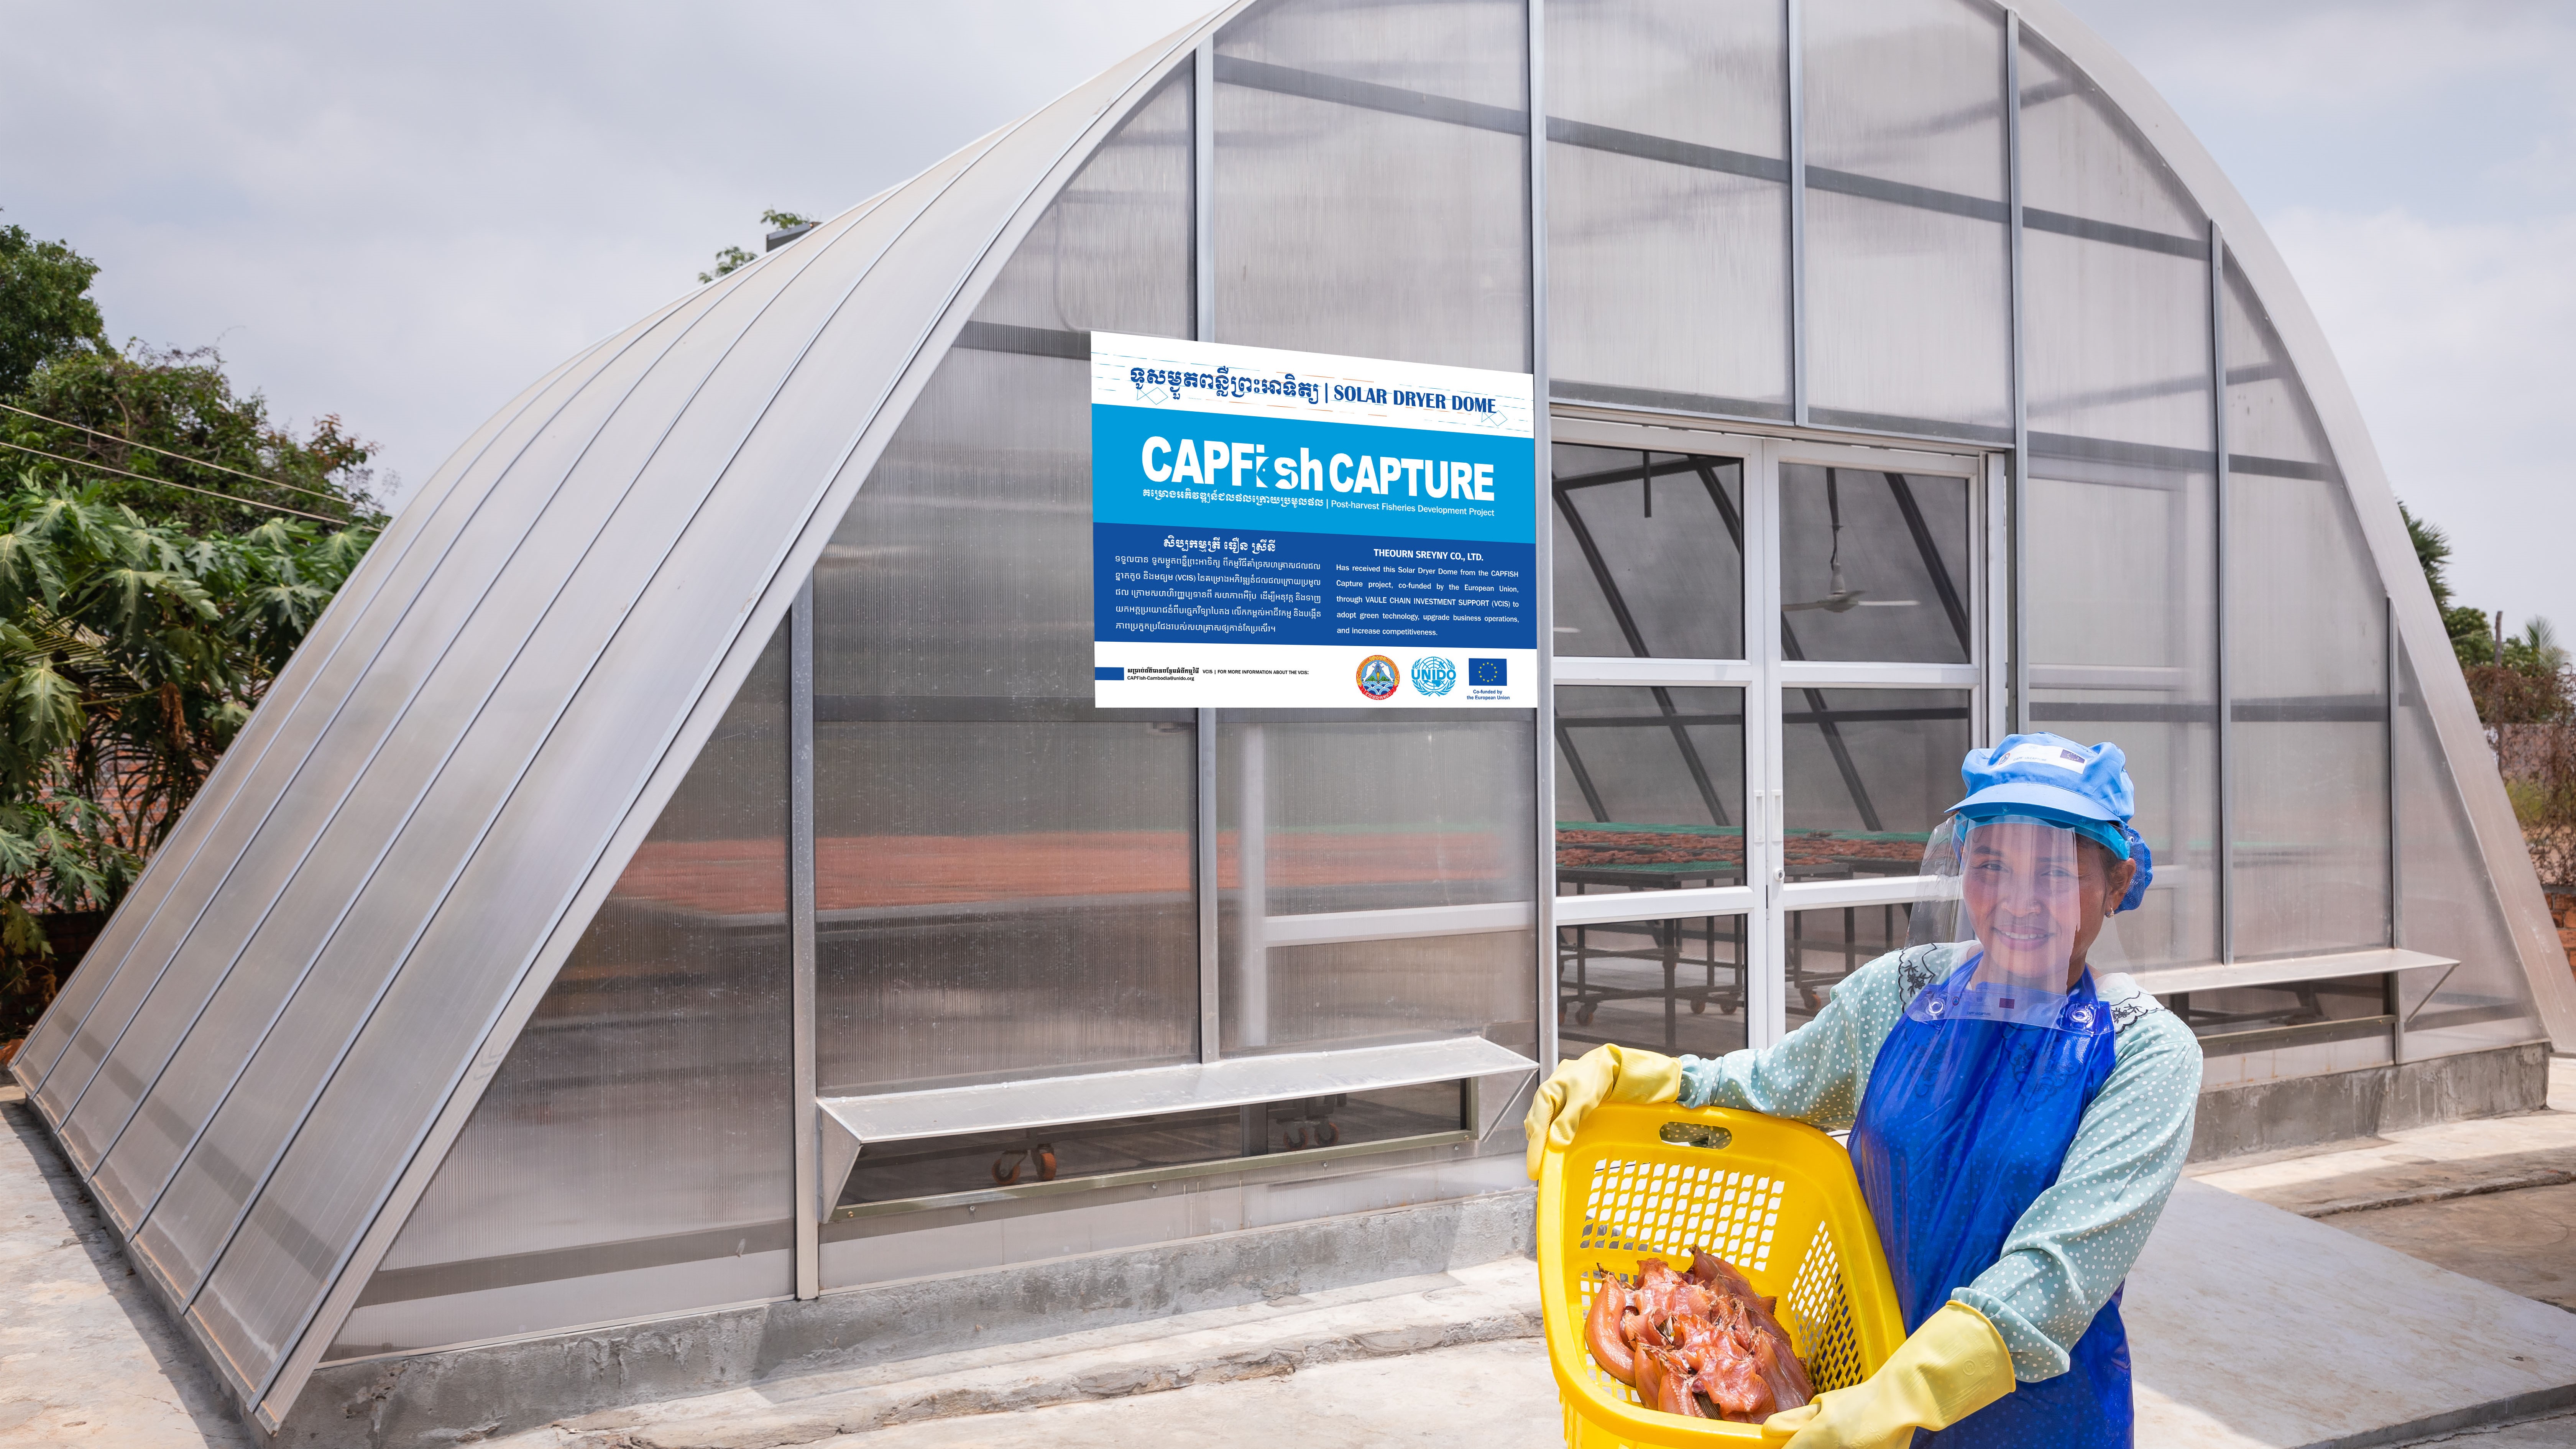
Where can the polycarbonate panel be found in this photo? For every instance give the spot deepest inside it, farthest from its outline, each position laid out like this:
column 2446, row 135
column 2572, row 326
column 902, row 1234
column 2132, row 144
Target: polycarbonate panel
column 2307, row 640
column 1001, row 898
column 405, row 711
column 1372, row 813
column 1649, row 554
column 1003, row 871
column 1317, row 814
column 1359, row 993
column 1112, row 252
column 1668, row 208
column 206, row 1017
column 1865, row 773
column 1372, row 180
column 2121, row 624
column 107, row 957
column 2448, row 904
column 274, row 747
column 2122, row 633
column 635, row 1152
column 2272, row 428
column 1874, row 566
column 430, row 753
column 2116, row 279
column 2083, row 162
column 386, row 749
column 1908, row 269
column 642, row 676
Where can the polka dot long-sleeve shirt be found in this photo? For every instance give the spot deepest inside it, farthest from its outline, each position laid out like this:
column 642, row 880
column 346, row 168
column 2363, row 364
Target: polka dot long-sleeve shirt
column 2075, row 1243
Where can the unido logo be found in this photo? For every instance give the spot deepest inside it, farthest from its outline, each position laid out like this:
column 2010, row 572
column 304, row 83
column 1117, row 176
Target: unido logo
column 1378, row 676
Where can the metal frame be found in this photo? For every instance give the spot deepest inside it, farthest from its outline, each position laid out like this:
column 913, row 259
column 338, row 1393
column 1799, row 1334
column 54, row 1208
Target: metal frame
column 1765, row 676
column 2016, row 568
column 1793, row 28
column 1203, row 327
column 2224, row 682
column 1543, row 568
column 801, row 896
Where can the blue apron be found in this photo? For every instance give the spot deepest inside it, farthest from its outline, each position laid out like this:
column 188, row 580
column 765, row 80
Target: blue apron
column 1965, row 1122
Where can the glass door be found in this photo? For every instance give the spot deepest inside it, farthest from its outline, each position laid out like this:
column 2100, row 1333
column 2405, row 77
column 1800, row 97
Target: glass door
column 1741, row 806
column 1875, row 681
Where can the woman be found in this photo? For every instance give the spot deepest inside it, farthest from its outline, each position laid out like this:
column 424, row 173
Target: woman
column 2016, row 1124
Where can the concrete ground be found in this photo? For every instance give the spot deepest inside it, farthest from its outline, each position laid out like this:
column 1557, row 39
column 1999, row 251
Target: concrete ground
column 2392, row 1291
column 2494, row 1199
column 87, row 1357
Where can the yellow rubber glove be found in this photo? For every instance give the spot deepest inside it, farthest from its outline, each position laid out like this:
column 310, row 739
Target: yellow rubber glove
column 1603, row 1074
column 1951, row 1367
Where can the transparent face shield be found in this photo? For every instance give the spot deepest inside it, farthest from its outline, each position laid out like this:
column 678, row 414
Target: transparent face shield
column 2013, row 891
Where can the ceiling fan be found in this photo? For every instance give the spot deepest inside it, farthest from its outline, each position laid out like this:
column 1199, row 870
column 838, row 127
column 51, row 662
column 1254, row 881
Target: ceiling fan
column 1842, row 598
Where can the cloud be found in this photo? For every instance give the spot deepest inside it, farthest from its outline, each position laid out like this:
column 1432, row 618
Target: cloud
column 2411, row 159
column 403, row 215
column 2460, row 340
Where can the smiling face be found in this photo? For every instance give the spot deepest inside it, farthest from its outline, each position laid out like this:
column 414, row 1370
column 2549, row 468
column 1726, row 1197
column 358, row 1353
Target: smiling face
column 2037, row 895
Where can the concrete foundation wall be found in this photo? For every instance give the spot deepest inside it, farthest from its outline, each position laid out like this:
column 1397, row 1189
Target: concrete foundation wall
column 441, row 1398
column 2303, row 1111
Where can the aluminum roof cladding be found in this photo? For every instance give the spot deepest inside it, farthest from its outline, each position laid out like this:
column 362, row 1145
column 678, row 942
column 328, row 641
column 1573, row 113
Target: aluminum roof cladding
column 714, row 734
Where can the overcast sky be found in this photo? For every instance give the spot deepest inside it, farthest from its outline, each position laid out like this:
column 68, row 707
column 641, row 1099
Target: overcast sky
column 403, row 214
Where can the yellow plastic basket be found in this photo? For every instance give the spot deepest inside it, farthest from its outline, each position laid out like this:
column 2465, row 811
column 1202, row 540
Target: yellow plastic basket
column 1775, row 1198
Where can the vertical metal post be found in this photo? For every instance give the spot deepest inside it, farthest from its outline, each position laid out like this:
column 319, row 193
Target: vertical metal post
column 2388, row 738
column 1766, row 931
column 2017, row 513
column 2392, row 983
column 2225, row 683
column 1203, row 327
column 1796, row 63
column 1252, row 885
column 1203, row 191
column 810, row 1190
column 1542, row 489
column 1995, row 599
column 1204, row 832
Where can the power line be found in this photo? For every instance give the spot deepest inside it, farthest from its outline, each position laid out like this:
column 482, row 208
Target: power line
column 166, row 453
column 166, row 483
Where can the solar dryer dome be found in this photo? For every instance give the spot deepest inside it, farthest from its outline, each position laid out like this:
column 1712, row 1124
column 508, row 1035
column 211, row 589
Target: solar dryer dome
column 712, row 734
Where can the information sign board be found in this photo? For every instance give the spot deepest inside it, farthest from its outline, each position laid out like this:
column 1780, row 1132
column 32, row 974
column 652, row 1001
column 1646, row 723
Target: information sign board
column 1291, row 530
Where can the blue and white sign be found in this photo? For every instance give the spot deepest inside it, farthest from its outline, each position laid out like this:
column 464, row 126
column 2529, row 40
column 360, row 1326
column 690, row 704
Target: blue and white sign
column 1292, row 530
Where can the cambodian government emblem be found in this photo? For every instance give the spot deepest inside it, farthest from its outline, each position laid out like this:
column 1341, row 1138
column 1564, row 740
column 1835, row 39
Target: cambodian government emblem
column 1433, row 674
column 1379, row 676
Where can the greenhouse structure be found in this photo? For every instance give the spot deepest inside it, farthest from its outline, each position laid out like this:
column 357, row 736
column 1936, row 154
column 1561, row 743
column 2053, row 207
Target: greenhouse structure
column 683, row 915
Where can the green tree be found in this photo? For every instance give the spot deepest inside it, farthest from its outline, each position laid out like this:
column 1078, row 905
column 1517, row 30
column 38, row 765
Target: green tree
column 2432, row 553
column 2471, row 640
column 45, row 308
column 164, row 546
column 175, row 442
column 131, row 653
column 732, row 257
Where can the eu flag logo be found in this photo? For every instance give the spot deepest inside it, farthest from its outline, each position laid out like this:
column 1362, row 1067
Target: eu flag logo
column 1489, row 673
